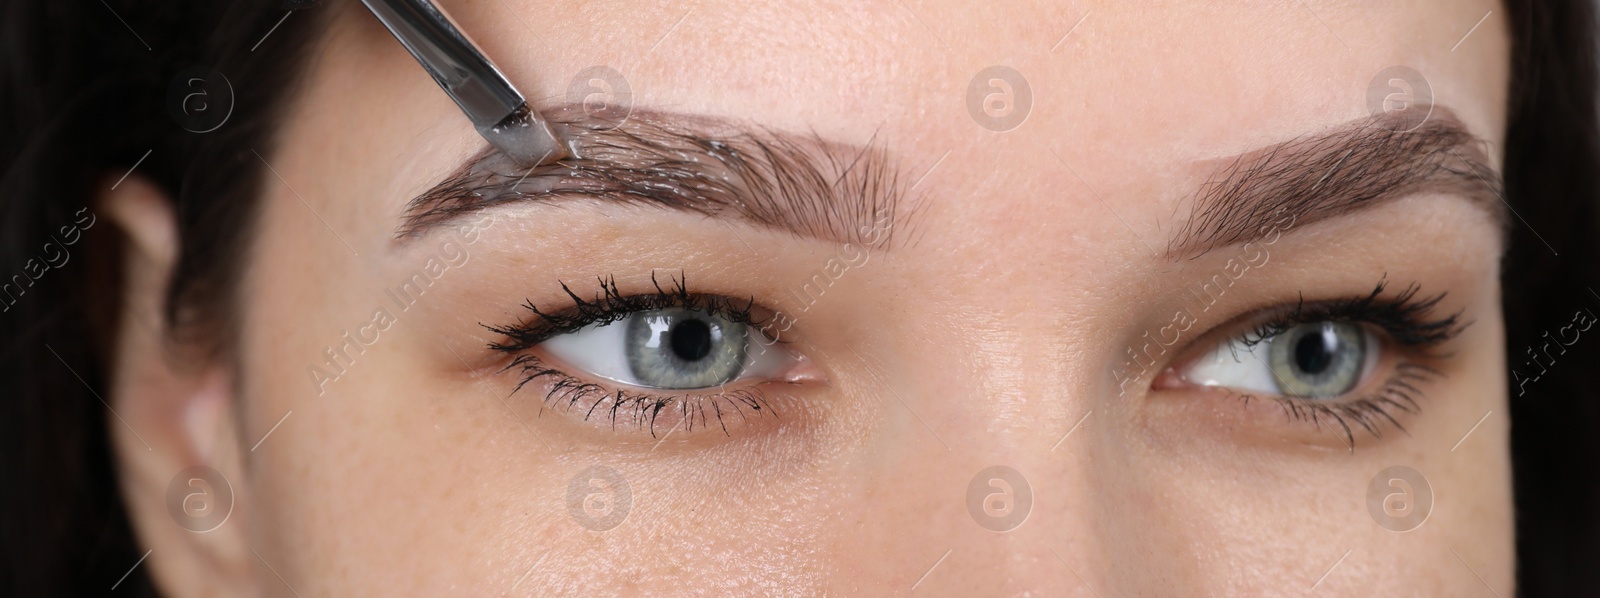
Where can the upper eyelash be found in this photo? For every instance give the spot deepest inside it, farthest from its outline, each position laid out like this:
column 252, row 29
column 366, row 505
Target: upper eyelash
column 1404, row 317
column 610, row 305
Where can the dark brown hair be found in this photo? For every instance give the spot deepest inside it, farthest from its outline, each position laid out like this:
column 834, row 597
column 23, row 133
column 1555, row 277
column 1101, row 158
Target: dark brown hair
column 1551, row 165
column 85, row 94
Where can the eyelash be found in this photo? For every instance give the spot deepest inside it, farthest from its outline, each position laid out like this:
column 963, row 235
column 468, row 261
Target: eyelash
column 1404, row 319
column 610, row 305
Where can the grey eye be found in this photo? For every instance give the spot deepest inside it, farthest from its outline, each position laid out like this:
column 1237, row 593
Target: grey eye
column 1318, row 360
column 679, row 348
column 672, row 348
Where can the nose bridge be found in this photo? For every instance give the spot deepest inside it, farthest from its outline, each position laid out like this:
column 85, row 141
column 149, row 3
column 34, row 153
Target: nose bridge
column 1010, row 413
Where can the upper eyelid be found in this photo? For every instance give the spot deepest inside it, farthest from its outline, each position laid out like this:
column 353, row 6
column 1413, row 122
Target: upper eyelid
column 1398, row 308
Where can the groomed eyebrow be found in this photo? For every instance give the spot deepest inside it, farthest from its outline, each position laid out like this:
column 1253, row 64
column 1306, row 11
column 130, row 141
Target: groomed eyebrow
column 1350, row 168
column 799, row 184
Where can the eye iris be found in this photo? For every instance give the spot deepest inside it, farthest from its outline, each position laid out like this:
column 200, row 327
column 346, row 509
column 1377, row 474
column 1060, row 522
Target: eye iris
column 1318, row 360
column 681, row 348
column 691, row 339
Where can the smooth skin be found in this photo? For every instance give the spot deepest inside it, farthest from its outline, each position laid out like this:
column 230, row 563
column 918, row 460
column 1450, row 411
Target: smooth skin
column 981, row 337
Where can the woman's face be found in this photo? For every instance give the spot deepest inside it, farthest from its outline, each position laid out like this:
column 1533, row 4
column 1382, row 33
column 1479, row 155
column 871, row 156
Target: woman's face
column 867, row 298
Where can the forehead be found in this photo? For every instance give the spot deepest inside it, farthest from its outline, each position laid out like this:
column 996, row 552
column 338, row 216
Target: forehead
column 856, row 67
column 1121, row 98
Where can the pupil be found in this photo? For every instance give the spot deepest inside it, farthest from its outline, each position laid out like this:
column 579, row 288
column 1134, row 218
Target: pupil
column 1315, row 351
column 691, row 339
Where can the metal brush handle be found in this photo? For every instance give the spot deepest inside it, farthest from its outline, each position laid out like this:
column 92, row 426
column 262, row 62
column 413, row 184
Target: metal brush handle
column 496, row 109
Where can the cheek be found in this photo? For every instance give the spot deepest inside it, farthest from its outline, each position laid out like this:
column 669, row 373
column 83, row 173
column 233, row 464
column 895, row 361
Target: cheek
column 397, row 468
column 360, row 473
column 1265, row 526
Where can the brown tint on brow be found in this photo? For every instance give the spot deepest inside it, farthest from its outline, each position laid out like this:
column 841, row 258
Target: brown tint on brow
column 801, row 184
column 1353, row 167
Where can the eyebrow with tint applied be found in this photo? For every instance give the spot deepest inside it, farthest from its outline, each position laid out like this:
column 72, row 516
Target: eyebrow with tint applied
column 1354, row 167
column 813, row 188
column 798, row 184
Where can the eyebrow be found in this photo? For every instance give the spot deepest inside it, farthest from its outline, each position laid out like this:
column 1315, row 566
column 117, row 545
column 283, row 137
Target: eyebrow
column 799, row 184
column 1350, row 168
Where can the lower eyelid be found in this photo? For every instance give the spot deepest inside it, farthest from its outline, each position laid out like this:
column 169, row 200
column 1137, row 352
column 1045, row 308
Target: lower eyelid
column 1373, row 411
column 1369, row 412
column 1381, row 409
column 656, row 413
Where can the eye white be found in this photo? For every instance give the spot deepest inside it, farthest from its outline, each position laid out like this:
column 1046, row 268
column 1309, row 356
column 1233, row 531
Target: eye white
column 1234, row 364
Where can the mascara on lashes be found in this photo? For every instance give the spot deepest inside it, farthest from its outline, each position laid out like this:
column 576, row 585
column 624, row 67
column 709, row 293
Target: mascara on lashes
column 608, row 305
column 1403, row 318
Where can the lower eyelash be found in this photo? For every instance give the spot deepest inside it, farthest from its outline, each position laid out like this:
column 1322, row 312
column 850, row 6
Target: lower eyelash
column 1405, row 319
column 645, row 409
column 1368, row 413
